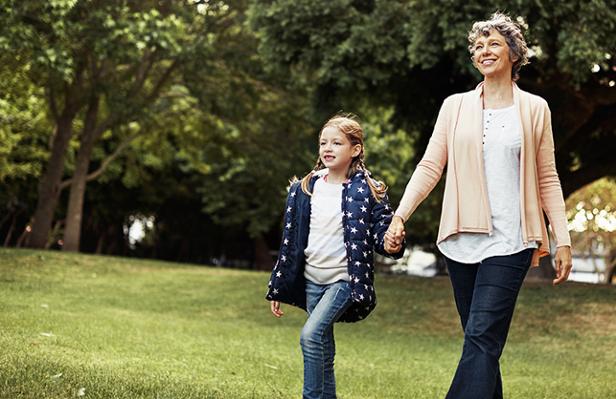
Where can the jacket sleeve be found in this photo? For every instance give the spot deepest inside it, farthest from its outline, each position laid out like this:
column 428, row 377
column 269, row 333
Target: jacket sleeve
column 277, row 286
column 381, row 216
column 430, row 169
column 550, row 190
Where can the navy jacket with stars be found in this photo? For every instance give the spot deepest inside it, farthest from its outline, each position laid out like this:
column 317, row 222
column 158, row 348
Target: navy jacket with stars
column 364, row 222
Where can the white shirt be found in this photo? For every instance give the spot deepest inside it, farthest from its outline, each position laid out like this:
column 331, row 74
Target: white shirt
column 502, row 141
column 325, row 254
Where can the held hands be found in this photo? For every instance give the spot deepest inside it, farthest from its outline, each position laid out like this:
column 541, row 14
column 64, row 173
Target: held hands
column 562, row 261
column 275, row 307
column 394, row 235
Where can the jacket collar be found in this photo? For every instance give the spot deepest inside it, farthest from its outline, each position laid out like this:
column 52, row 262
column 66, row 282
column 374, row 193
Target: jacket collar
column 322, row 172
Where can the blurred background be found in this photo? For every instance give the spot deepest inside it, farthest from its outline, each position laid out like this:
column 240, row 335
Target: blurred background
column 170, row 129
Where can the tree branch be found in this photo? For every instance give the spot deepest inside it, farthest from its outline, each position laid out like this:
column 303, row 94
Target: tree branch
column 588, row 174
column 142, row 72
column 95, row 174
column 119, row 149
column 161, row 82
column 53, row 105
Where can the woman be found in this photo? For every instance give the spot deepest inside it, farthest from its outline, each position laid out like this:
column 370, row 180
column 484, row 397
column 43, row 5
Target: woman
column 497, row 143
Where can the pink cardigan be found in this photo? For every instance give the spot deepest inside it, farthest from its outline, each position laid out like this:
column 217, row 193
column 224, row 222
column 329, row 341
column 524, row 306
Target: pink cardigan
column 457, row 142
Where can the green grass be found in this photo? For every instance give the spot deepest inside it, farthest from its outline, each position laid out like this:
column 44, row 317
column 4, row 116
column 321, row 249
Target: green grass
column 124, row 328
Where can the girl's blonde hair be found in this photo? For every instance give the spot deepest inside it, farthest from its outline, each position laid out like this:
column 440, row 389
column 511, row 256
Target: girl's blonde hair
column 348, row 125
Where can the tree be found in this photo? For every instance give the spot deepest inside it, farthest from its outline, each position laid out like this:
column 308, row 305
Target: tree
column 410, row 55
column 413, row 54
column 103, row 65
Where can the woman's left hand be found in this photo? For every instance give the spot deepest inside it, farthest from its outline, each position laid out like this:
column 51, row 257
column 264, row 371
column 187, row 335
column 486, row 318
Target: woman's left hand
column 563, row 263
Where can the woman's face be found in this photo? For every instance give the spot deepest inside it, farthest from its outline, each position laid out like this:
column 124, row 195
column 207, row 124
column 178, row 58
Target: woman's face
column 491, row 55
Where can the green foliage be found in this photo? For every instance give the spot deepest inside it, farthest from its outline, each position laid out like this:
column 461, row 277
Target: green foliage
column 23, row 127
column 592, row 218
column 355, row 43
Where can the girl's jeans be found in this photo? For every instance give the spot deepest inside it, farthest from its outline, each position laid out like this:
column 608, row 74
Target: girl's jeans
column 485, row 295
column 325, row 304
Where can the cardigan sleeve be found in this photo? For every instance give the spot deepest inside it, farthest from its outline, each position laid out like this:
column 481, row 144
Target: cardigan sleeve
column 430, row 169
column 550, row 190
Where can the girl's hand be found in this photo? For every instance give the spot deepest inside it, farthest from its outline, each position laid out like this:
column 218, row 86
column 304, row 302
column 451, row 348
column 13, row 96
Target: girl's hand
column 395, row 234
column 390, row 248
column 563, row 263
column 275, row 307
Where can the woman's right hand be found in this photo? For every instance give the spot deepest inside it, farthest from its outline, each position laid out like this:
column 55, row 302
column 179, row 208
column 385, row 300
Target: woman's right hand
column 395, row 234
column 275, row 307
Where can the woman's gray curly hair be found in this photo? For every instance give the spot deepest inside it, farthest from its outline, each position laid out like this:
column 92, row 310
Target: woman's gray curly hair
column 512, row 33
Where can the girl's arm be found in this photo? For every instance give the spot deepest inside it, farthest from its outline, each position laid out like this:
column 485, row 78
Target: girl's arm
column 382, row 214
column 276, row 286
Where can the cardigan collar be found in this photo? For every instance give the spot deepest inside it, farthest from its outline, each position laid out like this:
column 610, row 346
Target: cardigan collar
column 525, row 123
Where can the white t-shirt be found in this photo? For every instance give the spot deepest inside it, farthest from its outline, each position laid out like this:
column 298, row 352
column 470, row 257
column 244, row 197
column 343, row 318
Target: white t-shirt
column 325, row 254
column 502, row 141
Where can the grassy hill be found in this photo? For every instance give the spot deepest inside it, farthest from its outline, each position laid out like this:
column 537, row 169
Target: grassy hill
column 102, row 327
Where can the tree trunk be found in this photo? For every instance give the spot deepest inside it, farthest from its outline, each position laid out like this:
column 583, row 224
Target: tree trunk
column 74, row 214
column 9, row 234
column 49, row 184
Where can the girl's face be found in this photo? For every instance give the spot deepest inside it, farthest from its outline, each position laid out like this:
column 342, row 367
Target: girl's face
column 491, row 55
column 336, row 151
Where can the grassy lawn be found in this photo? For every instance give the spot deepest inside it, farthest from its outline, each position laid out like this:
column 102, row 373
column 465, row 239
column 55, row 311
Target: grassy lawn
column 102, row 327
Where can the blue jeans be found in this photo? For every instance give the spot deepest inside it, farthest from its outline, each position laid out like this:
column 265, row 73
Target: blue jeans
column 325, row 304
column 485, row 295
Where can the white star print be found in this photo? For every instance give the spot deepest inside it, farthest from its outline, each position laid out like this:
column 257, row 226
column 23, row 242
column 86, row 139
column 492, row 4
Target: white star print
column 364, row 254
column 349, row 199
column 357, row 263
column 283, row 258
column 286, row 241
column 275, row 291
column 353, row 246
column 361, row 221
column 366, row 199
column 361, row 296
column 363, row 208
column 356, row 280
column 289, row 209
column 349, row 214
column 288, row 225
column 360, row 190
column 278, row 274
column 293, row 194
column 353, row 230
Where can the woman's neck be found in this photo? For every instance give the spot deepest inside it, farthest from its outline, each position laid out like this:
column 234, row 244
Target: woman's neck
column 497, row 92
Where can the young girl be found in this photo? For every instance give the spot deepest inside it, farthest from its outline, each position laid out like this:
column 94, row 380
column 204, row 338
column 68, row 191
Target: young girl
column 334, row 218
